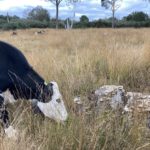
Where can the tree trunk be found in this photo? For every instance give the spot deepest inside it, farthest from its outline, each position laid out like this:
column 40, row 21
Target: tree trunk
column 72, row 21
column 74, row 15
column 57, row 14
column 8, row 18
column 113, row 19
column 113, row 14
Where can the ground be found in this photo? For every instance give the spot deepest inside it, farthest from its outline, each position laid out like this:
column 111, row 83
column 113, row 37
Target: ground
column 81, row 61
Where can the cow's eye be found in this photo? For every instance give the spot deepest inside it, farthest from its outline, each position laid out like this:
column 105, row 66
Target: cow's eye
column 58, row 100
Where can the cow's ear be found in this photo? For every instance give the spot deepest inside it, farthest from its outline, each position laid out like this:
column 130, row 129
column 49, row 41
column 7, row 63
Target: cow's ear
column 50, row 88
column 47, row 92
column 1, row 101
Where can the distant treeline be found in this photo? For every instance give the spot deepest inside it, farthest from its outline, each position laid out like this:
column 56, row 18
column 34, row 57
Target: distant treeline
column 135, row 19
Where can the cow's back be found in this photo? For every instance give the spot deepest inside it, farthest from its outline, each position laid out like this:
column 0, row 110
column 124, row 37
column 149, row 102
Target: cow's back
column 12, row 61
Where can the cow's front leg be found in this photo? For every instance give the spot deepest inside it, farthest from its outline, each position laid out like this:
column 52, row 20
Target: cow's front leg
column 4, row 118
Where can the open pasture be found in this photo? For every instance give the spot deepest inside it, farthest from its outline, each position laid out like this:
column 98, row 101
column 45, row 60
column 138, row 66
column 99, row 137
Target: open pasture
column 81, row 61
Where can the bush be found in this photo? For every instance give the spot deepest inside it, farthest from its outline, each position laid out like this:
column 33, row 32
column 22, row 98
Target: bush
column 136, row 16
column 36, row 24
column 9, row 26
column 16, row 23
column 2, row 21
column 23, row 24
column 136, row 24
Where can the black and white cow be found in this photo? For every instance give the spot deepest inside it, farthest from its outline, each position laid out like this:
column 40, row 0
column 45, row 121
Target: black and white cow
column 19, row 80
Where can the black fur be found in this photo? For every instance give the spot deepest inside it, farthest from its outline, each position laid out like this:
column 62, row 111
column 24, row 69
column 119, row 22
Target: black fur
column 19, row 77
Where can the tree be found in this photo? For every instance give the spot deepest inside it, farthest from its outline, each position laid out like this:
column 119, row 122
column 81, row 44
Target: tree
column 113, row 5
column 39, row 13
column 84, row 19
column 70, row 21
column 56, row 3
column 137, row 16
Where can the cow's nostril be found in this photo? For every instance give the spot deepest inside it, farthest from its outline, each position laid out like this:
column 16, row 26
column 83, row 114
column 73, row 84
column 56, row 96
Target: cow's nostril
column 58, row 100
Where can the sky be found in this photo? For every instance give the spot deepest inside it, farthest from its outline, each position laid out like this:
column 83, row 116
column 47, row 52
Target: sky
column 91, row 8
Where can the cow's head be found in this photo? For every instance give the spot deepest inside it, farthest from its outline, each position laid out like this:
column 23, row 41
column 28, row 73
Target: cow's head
column 52, row 105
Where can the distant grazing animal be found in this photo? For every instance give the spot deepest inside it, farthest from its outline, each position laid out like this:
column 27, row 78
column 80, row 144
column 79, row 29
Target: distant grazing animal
column 14, row 33
column 19, row 80
column 39, row 32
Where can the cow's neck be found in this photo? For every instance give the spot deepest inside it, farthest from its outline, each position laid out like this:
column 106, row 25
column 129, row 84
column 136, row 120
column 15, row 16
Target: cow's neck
column 28, row 86
column 33, row 77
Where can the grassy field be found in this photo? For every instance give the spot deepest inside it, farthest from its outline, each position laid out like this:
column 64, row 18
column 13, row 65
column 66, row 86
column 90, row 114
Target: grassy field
column 81, row 61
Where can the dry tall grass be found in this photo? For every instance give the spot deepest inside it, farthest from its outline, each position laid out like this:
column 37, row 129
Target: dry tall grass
column 80, row 61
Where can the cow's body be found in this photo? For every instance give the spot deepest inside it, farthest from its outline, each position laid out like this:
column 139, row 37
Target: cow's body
column 18, row 78
column 17, row 75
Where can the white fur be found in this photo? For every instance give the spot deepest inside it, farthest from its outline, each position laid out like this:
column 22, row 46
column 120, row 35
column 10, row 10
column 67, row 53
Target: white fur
column 45, row 83
column 8, row 97
column 53, row 109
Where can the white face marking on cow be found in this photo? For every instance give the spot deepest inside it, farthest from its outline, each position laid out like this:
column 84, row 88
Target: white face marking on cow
column 8, row 97
column 55, row 108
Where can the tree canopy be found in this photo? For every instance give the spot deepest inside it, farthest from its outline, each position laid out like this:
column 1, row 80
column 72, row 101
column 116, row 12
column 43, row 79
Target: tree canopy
column 84, row 19
column 39, row 13
column 137, row 16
